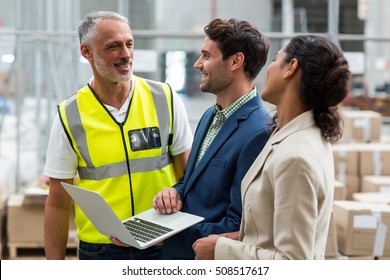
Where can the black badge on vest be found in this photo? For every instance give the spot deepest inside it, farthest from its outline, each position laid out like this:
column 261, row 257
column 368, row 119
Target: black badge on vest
column 145, row 139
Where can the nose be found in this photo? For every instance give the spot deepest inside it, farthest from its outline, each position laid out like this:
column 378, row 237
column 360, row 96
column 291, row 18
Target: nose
column 126, row 52
column 198, row 64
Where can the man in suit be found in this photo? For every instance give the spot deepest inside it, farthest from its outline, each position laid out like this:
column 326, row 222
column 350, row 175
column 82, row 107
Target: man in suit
column 228, row 138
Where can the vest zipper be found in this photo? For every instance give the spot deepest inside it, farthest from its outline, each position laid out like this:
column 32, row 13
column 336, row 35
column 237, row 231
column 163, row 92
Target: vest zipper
column 128, row 169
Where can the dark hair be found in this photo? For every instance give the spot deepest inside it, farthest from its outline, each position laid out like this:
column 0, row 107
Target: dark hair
column 324, row 82
column 234, row 36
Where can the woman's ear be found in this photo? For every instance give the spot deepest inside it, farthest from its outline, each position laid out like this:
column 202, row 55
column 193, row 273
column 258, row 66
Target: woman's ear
column 291, row 68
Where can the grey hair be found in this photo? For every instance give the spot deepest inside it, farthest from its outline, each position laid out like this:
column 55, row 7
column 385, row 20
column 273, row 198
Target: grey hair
column 86, row 29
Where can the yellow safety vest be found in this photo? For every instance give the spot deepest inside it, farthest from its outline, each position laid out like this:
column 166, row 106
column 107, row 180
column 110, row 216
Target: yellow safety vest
column 111, row 158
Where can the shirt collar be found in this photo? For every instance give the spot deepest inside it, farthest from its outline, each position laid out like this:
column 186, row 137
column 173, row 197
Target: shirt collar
column 227, row 112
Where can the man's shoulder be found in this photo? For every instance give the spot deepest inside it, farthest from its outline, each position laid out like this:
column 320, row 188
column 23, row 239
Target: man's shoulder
column 258, row 122
column 254, row 110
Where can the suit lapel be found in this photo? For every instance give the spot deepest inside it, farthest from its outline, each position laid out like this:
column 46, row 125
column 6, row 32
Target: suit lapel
column 229, row 127
column 256, row 167
column 199, row 136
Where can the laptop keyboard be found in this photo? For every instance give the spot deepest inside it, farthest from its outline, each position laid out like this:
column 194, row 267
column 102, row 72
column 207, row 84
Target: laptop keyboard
column 145, row 231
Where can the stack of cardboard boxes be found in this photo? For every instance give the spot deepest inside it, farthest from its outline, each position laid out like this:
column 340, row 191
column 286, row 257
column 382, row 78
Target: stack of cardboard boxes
column 3, row 212
column 346, row 167
column 361, row 216
column 25, row 227
column 362, row 229
column 361, row 126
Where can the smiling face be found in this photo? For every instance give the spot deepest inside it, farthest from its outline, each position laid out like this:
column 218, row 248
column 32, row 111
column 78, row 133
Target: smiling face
column 214, row 70
column 112, row 51
column 275, row 83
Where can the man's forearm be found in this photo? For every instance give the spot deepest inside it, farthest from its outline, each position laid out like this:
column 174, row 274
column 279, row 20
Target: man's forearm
column 56, row 230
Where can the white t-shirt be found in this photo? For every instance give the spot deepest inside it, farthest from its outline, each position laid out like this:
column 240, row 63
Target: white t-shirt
column 61, row 159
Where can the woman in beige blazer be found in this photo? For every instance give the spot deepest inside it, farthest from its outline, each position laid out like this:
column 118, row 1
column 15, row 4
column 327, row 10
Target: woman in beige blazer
column 287, row 193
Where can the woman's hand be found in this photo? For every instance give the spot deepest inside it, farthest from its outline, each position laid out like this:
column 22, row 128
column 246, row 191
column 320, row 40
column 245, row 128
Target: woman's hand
column 204, row 247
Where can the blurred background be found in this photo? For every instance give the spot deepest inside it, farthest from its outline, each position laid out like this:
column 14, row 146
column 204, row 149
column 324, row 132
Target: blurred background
column 40, row 62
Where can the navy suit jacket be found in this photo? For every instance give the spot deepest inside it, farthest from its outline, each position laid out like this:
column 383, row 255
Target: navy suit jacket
column 212, row 189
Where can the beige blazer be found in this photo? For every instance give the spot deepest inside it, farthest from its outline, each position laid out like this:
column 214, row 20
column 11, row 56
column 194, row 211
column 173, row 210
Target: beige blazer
column 287, row 197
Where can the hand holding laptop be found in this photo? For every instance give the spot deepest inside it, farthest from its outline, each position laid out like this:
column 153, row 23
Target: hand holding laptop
column 140, row 231
column 117, row 242
column 167, row 201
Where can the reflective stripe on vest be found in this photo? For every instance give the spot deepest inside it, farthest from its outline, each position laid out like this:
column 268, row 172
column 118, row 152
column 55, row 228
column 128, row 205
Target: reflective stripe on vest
column 91, row 172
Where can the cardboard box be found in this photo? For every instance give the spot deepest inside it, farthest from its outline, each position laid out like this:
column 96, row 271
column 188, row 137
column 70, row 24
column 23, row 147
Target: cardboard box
column 350, row 258
column 383, row 258
column 25, row 221
column 385, row 139
column 331, row 243
column 3, row 214
column 340, row 191
column 362, row 126
column 346, row 159
column 375, row 184
column 374, row 159
column 351, row 182
column 373, row 197
column 360, row 228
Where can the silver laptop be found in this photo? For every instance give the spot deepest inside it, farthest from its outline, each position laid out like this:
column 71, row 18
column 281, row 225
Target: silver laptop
column 140, row 231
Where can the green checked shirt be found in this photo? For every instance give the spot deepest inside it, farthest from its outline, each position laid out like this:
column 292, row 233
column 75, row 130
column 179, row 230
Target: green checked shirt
column 220, row 116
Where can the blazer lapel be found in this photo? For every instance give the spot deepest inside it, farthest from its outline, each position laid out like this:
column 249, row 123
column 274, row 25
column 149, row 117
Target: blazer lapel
column 227, row 129
column 303, row 121
column 256, row 167
column 201, row 131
